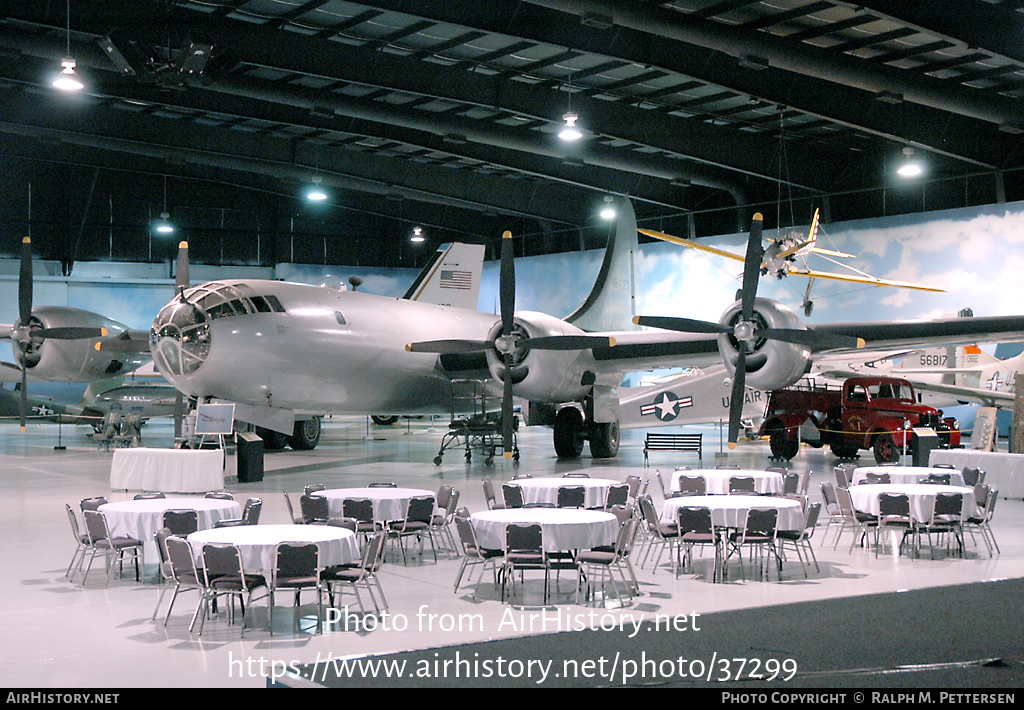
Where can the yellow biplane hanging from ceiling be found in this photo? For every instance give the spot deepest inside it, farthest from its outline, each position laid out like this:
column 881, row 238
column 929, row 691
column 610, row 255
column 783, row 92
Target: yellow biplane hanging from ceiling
column 780, row 260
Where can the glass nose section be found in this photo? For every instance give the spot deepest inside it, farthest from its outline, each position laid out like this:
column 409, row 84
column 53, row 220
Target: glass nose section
column 180, row 338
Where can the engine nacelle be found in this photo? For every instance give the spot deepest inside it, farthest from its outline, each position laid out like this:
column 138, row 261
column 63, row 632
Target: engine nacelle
column 74, row 360
column 543, row 375
column 771, row 364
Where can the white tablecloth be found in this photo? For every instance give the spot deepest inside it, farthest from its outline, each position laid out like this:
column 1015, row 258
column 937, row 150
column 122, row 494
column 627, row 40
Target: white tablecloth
column 167, row 470
column 545, row 490
column 907, row 474
column 141, row 518
column 922, row 497
column 729, row 511
column 258, row 543
column 564, row 528
column 718, row 480
column 1003, row 471
column 388, row 503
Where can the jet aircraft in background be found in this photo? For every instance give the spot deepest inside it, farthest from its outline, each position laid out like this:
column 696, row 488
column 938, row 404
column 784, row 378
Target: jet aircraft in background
column 280, row 351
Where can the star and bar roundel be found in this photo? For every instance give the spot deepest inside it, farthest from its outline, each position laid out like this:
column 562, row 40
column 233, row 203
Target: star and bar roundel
column 666, row 406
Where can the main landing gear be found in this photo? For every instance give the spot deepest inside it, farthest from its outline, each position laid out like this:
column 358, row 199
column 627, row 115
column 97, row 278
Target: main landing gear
column 571, row 430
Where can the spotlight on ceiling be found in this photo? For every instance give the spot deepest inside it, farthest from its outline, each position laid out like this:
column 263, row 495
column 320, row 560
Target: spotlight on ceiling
column 417, row 235
column 68, row 80
column 569, row 131
column 163, row 225
column 608, row 211
column 910, row 167
column 316, row 193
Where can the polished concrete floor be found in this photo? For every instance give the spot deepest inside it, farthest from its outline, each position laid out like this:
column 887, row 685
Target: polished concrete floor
column 60, row 634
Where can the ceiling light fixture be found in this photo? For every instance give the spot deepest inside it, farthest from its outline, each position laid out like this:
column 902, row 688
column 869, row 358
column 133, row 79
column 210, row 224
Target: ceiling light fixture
column 67, row 80
column 417, row 235
column 569, row 131
column 608, row 211
column 316, row 193
column 910, row 168
column 163, row 225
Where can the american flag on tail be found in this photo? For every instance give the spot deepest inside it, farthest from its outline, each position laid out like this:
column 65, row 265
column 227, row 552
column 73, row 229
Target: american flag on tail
column 457, row 279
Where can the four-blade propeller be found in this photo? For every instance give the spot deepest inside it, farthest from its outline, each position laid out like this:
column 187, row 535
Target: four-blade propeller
column 507, row 342
column 26, row 337
column 746, row 330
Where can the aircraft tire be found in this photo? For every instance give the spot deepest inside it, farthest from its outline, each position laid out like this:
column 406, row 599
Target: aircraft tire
column 604, row 440
column 272, row 440
column 383, row 420
column 306, row 434
column 568, row 436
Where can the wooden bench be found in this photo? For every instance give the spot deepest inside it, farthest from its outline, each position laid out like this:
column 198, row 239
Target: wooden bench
column 674, row 442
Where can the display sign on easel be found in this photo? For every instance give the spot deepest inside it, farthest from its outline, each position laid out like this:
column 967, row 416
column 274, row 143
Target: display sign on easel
column 983, row 436
column 215, row 420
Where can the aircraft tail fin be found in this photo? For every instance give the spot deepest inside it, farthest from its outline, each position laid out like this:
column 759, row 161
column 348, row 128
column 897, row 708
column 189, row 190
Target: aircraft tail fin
column 613, row 301
column 451, row 277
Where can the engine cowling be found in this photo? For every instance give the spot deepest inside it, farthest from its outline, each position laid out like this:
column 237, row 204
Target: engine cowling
column 771, row 364
column 73, row 360
column 542, row 375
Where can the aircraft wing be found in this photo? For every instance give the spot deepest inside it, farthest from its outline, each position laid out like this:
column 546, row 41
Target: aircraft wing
column 985, row 397
column 690, row 244
column 130, row 341
column 862, row 279
column 917, row 334
column 647, row 350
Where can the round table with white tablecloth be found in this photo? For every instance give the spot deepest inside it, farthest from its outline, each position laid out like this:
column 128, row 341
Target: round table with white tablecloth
column 388, row 503
column 141, row 518
column 564, row 528
column 906, row 474
column 258, row 543
column 922, row 497
column 730, row 511
column 717, row 480
column 545, row 490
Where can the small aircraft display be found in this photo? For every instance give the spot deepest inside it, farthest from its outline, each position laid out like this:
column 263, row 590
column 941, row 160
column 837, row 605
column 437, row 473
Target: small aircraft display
column 779, row 259
column 62, row 344
column 948, row 376
column 281, row 350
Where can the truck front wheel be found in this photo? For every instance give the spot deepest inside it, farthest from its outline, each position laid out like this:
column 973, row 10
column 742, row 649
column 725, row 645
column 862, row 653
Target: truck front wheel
column 886, row 450
column 782, row 447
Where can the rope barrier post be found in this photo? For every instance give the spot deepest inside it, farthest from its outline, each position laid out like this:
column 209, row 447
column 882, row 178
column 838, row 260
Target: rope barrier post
column 59, row 446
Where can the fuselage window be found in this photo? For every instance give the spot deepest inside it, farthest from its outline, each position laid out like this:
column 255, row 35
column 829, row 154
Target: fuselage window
column 340, row 317
column 221, row 310
column 275, row 304
column 240, row 308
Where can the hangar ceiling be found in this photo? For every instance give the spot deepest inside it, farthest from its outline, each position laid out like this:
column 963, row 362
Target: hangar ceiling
column 445, row 115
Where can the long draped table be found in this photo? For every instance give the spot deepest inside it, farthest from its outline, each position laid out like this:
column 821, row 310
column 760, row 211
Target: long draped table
column 258, row 543
column 141, row 518
column 167, row 470
column 564, row 528
column 717, row 480
column 1002, row 470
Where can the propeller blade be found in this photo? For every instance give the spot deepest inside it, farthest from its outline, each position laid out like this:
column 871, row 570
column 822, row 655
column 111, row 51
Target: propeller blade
column 738, row 392
column 683, row 325
column 506, row 408
column 70, row 333
column 181, row 272
column 569, row 342
column 23, row 402
column 507, row 284
column 446, row 347
column 25, row 283
column 752, row 266
column 818, row 341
